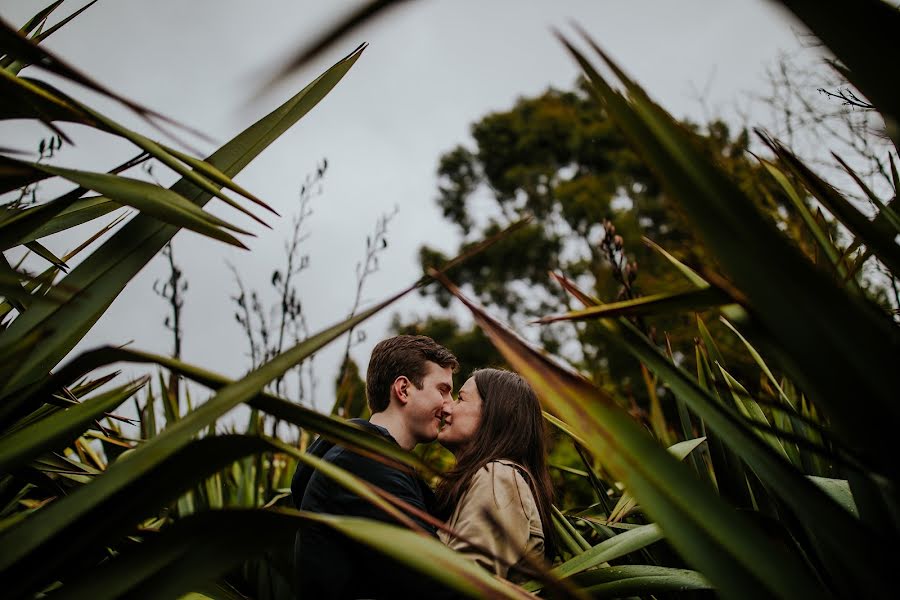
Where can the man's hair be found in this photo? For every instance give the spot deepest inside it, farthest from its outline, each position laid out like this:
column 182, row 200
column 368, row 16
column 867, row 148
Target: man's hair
column 402, row 355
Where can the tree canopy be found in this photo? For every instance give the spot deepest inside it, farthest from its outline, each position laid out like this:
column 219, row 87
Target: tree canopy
column 558, row 158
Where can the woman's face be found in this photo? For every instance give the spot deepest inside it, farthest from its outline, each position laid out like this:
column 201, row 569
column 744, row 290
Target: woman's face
column 461, row 422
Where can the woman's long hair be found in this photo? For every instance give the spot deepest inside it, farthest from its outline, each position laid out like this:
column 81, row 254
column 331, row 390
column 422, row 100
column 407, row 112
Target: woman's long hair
column 511, row 428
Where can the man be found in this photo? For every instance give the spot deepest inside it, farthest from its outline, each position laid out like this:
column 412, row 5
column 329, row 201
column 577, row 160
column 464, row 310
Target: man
column 408, row 389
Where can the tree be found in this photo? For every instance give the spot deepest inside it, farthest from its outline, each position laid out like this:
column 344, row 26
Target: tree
column 557, row 157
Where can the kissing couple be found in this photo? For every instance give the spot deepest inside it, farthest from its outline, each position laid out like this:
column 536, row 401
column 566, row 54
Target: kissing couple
column 495, row 501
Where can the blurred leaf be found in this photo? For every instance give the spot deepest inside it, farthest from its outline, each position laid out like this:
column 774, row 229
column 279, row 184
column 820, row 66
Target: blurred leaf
column 101, row 276
column 38, row 541
column 804, row 318
column 14, row 44
column 706, row 532
column 15, row 175
column 840, row 27
column 204, row 546
column 887, row 212
column 879, row 241
column 819, row 235
column 368, row 12
column 25, row 98
column 694, row 300
column 627, row 502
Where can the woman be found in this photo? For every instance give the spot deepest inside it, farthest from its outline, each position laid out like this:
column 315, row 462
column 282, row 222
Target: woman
column 499, row 493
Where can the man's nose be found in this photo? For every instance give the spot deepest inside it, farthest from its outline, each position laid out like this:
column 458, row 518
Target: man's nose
column 447, row 407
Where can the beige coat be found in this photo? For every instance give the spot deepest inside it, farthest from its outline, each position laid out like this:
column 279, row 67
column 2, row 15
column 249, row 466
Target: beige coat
column 500, row 489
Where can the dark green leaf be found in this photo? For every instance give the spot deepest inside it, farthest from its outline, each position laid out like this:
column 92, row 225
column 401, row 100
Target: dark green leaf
column 103, row 274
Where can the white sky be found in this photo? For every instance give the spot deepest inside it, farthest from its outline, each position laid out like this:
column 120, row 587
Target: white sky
column 432, row 68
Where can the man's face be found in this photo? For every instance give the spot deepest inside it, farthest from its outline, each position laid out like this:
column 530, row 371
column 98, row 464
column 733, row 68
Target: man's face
column 425, row 406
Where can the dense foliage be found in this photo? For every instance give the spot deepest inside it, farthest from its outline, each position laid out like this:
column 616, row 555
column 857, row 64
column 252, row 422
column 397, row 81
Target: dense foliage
column 778, row 484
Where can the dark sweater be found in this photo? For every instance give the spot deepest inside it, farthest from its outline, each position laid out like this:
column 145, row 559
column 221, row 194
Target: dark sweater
column 329, row 565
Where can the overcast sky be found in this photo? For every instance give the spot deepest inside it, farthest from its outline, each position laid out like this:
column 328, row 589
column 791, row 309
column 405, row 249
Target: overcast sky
column 432, row 68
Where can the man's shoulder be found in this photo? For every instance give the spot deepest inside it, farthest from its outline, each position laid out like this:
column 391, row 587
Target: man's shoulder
column 366, row 467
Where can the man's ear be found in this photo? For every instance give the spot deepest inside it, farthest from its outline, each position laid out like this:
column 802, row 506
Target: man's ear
column 400, row 389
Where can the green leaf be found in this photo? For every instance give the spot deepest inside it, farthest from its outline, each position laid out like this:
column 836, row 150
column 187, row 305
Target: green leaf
column 627, row 502
column 607, row 550
column 39, row 37
column 217, row 177
column 839, row 489
column 204, row 546
column 57, row 215
column 692, row 300
column 97, row 280
column 11, row 286
column 846, row 536
column 197, row 176
column 819, row 235
column 46, row 254
column 77, row 213
column 709, row 344
column 685, row 270
column 639, row 580
column 881, row 243
column 738, row 558
column 163, row 204
column 34, row 538
column 24, row 98
column 803, row 317
column 890, row 216
column 105, row 515
column 334, row 429
column 564, row 428
column 38, row 18
column 27, row 51
column 751, row 409
column 59, row 429
column 15, row 175
column 758, row 359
